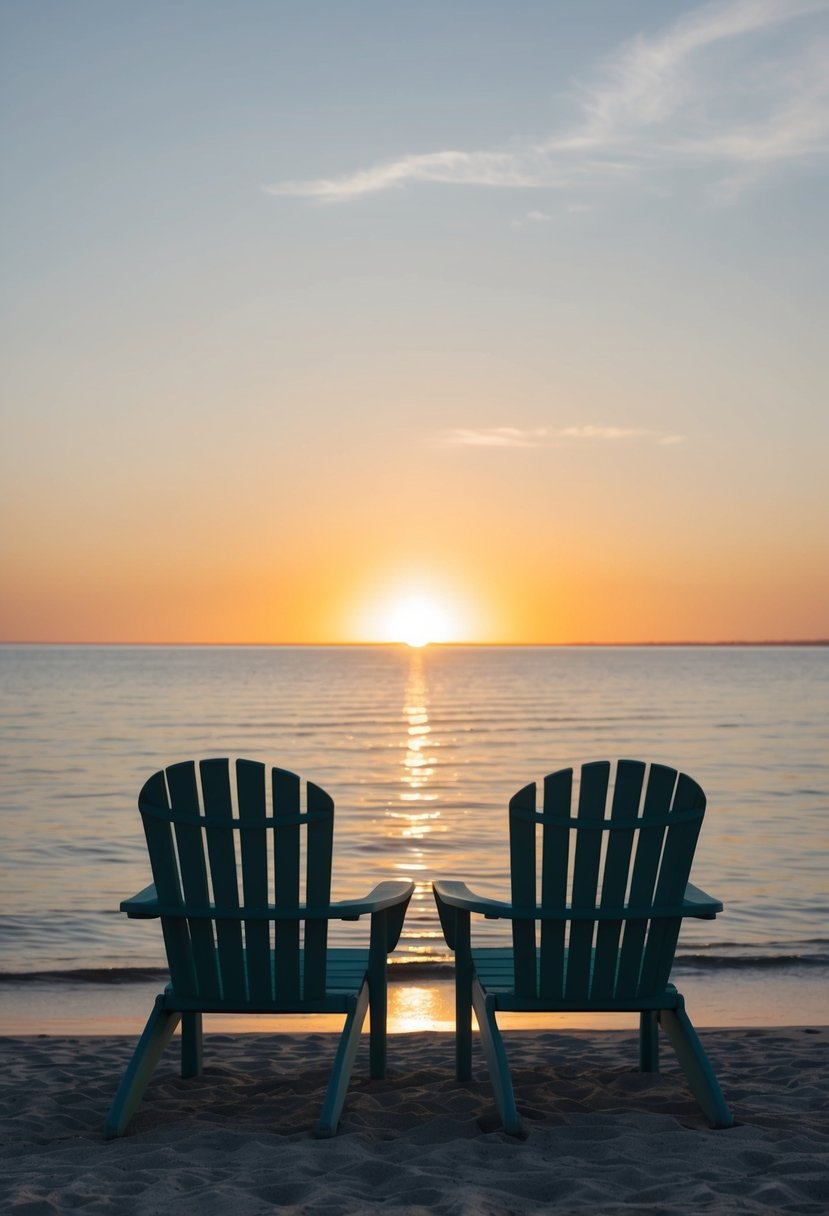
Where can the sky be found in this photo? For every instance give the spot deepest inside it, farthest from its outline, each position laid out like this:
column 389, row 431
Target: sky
column 323, row 319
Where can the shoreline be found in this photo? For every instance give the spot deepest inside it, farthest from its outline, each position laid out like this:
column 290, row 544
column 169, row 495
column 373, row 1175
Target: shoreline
column 421, row 998
column 600, row 1136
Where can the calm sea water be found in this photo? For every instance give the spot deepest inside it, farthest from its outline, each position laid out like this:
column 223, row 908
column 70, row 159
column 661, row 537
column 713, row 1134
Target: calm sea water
column 421, row 751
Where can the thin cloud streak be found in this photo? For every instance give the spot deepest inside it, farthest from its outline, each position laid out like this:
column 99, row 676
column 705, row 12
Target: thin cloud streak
column 657, row 104
column 525, row 169
column 544, row 436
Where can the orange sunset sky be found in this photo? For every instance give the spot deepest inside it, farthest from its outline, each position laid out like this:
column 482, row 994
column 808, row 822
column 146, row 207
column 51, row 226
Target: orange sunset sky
column 514, row 311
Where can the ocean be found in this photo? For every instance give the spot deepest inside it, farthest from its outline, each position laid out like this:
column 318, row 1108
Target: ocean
column 421, row 750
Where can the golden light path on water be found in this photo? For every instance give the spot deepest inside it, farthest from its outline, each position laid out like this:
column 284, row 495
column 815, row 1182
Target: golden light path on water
column 416, row 816
column 411, row 817
column 417, row 1006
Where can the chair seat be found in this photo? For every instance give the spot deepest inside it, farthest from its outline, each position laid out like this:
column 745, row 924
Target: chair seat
column 345, row 973
column 494, row 967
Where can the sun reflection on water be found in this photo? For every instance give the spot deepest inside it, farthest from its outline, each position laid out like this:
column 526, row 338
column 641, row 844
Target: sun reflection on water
column 418, row 762
column 420, row 1007
column 413, row 819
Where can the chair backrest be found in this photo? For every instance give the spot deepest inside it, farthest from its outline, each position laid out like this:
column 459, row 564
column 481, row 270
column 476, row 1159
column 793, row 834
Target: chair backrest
column 612, row 870
column 221, row 853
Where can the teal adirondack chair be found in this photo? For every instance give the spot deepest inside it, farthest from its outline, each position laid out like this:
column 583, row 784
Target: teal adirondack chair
column 614, row 890
column 226, row 870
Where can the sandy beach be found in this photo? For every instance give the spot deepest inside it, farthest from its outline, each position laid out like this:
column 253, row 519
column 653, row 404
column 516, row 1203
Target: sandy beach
column 600, row 1136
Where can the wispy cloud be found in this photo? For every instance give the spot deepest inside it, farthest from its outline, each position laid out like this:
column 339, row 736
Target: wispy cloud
column 494, row 437
column 545, row 436
column 532, row 217
column 719, row 88
column 528, row 167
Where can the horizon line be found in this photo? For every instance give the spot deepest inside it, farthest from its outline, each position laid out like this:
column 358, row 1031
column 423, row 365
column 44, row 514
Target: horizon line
column 767, row 642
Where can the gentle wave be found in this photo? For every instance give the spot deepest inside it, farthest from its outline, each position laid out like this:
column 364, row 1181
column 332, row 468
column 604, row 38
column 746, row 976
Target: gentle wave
column 748, row 962
column 139, row 975
column 419, row 970
column 86, row 975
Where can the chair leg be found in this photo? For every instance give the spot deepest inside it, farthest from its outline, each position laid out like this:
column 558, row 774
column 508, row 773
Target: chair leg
column 191, row 1044
column 157, row 1034
column 464, row 972
column 378, row 1014
column 332, row 1107
column 496, row 1060
column 463, row 1027
column 649, row 1041
column 696, row 1065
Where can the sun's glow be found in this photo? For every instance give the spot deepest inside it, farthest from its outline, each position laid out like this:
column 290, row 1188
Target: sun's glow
column 414, row 608
column 418, row 620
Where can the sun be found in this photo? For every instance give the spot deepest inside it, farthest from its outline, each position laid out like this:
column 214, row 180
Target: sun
column 418, row 620
column 413, row 610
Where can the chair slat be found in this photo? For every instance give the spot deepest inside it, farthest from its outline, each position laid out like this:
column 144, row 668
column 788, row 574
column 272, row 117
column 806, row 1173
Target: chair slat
column 184, row 800
column 592, row 802
column 221, row 853
column 627, row 794
column 160, row 842
column 680, row 843
column 558, row 791
column 250, row 790
column 674, row 871
column 286, row 883
column 522, row 871
column 319, row 853
column 658, row 798
column 164, row 866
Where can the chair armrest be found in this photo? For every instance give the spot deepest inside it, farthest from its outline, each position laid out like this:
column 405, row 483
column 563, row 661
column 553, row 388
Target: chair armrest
column 697, row 903
column 384, row 896
column 143, row 906
column 391, row 900
column 458, row 895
